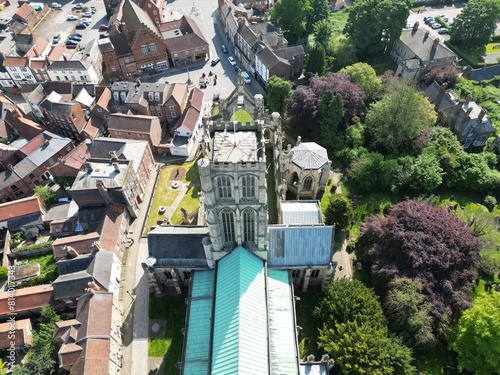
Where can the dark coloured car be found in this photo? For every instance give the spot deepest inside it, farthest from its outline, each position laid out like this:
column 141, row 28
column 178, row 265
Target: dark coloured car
column 79, row 35
column 74, row 37
column 71, row 43
column 103, row 35
column 103, row 27
column 224, row 48
column 214, row 61
column 81, row 26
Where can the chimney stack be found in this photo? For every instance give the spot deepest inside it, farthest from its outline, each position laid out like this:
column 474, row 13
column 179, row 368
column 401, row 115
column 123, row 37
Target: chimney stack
column 468, row 99
column 435, row 43
column 114, row 155
column 88, row 167
column 469, row 110
column 443, row 86
column 481, row 114
column 415, row 27
column 116, row 166
column 72, row 253
column 299, row 139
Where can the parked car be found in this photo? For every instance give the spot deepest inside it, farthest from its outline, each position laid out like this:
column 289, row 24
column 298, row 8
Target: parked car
column 103, row 35
column 56, row 38
column 103, row 27
column 71, row 18
column 76, row 38
column 435, row 25
column 81, row 26
column 429, row 20
column 56, row 6
column 71, row 43
column 214, row 61
column 6, row 19
column 78, row 6
column 224, row 48
column 86, row 20
column 93, row 10
column 231, row 60
column 88, row 13
column 443, row 17
column 76, row 34
column 444, row 30
column 246, row 77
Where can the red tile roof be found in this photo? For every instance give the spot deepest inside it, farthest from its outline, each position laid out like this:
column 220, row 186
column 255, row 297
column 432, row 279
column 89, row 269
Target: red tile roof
column 179, row 92
column 92, row 127
column 38, row 64
column 16, row 61
column 27, row 299
column 38, row 47
column 196, row 99
column 33, row 145
column 78, row 156
column 189, row 119
column 20, row 207
column 56, row 53
column 110, row 228
column 25, row 10
column 22, row 334
column 82, row 243
column 27, row 128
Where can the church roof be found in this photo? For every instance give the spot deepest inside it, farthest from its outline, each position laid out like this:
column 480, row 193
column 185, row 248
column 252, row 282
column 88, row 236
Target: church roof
column 240, row 319
column 301, row 212
column 309, row 155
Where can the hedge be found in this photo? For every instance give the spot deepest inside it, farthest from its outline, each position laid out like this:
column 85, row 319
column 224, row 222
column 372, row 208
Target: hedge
column 37, row 246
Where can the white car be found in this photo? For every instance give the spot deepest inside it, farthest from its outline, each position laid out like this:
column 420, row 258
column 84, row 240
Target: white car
column 87, row 14
column 71, row 18
column 246, row 77
column 231, row 60
column 86, row 21
column 6, row 19
column 78, row 6
column 56, row 6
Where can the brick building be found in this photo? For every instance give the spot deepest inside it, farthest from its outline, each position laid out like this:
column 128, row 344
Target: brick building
column 146, row 128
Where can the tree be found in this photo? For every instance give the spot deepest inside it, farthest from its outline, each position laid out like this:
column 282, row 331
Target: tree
column 3, row 371
column 475, row 25
column 365, row 76
column 290, row 16
column 396, row 121
column 323, row 31
column 354, row 332
column 426, row 174
column 320, row 10
column 409, row 313
column 340, row 211
column 278, row 91
column 331, row 112
column 418, row 240
column 316, row 60
column 345, row 53
column 477, row 336
column 374, row 24
column 370, row 171
column 302, row 107
column 46, row 194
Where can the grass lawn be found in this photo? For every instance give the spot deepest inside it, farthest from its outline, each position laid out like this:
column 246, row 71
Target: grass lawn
column 241, row 116
column 325, row 199
column 271, row 188
column 493, row 48
column 308, row 336
column 48, row 270
column 173, row 310
column 189, row 202
column 471, row 55
column 163, row 195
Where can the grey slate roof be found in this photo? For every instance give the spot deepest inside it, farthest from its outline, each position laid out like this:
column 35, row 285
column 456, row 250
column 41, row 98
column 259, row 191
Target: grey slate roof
column 269, row 59
column 67, row 65
column 80, row 263
column 301, row 212
column 121, row 44
column 291, row 246
column 422, row 45
column 71, row 285
column 309, row 155
column 488, row 72
column 290, row 52
column 126, row 149
column 24, row 221
column 178, row 243
column 101, row 267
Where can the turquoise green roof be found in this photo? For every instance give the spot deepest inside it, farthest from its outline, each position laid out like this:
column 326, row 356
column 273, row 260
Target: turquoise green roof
column 282, row 335
column 197, row 349
column 240, row 318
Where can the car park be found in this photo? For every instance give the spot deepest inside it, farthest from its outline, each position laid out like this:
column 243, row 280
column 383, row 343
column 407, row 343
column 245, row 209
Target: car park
column 224, row 48
column 103, row 27
column 87, row 14
column 71, row 18
column 214, row 61
column 444, row 30
column 56, row 38
column 56, row 6
column 246, row 77
column 81, row 26
column 231, row 60
column 78, row 6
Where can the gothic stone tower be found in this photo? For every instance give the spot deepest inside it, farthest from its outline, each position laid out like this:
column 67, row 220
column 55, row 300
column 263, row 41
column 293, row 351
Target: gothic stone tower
column 233, row 181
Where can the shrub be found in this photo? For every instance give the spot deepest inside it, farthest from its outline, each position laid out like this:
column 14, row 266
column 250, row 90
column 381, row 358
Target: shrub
column 4, row 273
column 42, row 245
column 490, row 202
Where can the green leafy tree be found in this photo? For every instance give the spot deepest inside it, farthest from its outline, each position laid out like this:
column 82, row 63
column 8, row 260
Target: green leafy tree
column 278, row 91
column 365, row 76
column 4, row 273
column 396, row 121
column 345, row 53
column 374, row 24
column 339, row 211
column 370, row 171
column 46, row 194
column 477, row 337
column 331, row 111
column 291, row 16
column 426, row 174
column 354, row 332
column 475, row 25
column 316, row 60
column 409, row 312
column 323, row 31
column 3, row 371
column 355, row 135
column 320, row 10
